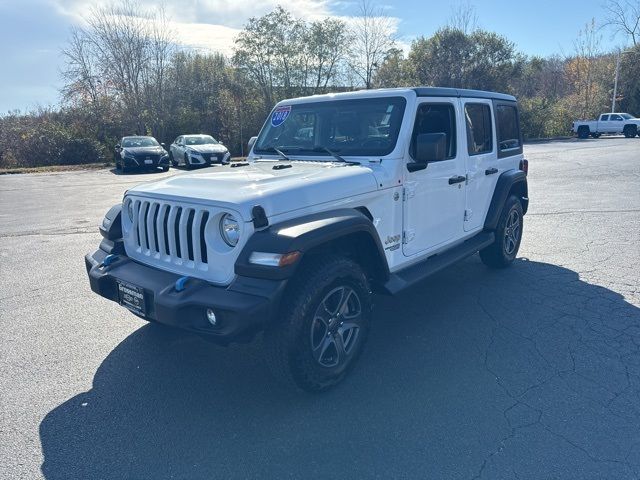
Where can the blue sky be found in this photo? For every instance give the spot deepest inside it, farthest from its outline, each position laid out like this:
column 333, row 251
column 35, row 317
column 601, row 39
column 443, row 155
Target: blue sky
column 32, row 32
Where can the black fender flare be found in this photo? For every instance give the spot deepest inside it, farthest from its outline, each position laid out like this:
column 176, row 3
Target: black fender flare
column 507, row 182
column 305, row 233
column 111, row 231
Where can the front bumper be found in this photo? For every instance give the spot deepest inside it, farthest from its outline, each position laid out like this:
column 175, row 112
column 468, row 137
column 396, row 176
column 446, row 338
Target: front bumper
column 140, row 162
column 242, row 308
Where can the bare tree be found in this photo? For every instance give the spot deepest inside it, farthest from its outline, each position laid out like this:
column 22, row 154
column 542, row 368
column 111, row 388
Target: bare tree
column 121, row 53
column 464, row 18
column 584, row 69
column 623, row 16
column 373, row 37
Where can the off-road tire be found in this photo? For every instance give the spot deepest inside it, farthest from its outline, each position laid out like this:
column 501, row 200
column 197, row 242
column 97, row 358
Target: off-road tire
column 502, row 252
column 630, row 131
column 288, row 340
column 583, row 132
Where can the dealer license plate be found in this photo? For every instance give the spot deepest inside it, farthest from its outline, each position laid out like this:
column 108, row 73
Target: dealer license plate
column 132, row 297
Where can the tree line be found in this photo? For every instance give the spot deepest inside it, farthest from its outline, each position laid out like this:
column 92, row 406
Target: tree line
column 124, row 74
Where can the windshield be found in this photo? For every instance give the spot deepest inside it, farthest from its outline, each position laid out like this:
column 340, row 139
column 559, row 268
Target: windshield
column 139, row 142
column 366, row 127
column 199, row 140
column 626, row 116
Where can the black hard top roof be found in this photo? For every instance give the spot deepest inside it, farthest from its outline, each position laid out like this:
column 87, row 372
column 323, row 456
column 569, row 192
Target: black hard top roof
column 461, row 92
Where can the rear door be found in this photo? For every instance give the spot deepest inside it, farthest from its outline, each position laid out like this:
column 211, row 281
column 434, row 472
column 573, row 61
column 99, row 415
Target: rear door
column 434, row 197
column 603, row 124
column 481, row 160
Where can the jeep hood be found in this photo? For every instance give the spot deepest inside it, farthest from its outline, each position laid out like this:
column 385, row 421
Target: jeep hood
column 278, row 190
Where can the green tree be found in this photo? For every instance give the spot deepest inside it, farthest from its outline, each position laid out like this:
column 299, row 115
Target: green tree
column 451, row 58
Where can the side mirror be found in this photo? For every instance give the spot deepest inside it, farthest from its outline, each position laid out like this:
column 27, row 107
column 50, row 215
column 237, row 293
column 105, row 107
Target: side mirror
column 430, row 147
column 163, row 145
column 118, row 147
column 252, row 141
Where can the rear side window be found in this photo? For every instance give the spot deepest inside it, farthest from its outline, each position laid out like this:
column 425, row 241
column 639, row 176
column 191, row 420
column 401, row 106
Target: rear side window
column 508, row 129
column 604, row 118
column 479, row 131
column 436, row 118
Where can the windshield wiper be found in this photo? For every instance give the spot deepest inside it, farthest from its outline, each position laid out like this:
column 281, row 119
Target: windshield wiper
column 321, row 148
column 279, row 152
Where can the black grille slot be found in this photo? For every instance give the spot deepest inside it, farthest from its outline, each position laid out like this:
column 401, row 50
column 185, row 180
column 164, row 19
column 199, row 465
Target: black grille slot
column 156, row 245
column 203, row 242
column 146, row 207
column 136, row 210
column 176, row 231
column 165, row 222
column 192, row 214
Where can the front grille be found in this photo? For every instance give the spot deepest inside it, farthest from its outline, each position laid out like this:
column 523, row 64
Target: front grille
column 142, row 156
column 172, row 233
column 212, row 157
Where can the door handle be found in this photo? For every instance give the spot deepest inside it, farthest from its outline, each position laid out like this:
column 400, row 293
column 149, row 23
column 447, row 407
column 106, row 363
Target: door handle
column 457, row 179
column 490, row 171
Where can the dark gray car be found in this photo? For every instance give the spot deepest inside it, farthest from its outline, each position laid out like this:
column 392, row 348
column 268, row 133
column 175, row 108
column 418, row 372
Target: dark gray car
column 140, row 153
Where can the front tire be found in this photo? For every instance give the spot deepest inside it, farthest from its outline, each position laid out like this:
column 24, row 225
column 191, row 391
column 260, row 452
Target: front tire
column 502, row 252
column 630, row 131
column 172, row 160
column 323, row 325
column 187, row 165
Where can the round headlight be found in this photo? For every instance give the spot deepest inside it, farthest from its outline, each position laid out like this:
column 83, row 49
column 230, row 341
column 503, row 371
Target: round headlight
column 130, row 210
column 229, row 229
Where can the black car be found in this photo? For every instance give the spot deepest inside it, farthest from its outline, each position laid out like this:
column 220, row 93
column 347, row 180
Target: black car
column 138, row 153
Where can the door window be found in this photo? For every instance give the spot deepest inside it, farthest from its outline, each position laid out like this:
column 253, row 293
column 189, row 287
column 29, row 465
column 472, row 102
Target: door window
column 616, row 118
column 436, row 118
column 479, row 131
column 604, row 118
column 508, row 129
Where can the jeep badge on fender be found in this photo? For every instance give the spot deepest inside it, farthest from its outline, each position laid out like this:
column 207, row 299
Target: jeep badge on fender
column 341, row 195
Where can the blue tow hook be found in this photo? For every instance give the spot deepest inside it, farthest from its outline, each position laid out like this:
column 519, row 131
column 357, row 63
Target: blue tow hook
column 181, row 283
column 108, row 260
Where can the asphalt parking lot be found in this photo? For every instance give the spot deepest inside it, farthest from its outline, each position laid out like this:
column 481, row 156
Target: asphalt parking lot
column 528, row 373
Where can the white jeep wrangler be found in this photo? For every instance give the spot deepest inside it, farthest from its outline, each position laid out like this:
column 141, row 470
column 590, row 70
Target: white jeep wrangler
column 341, row 196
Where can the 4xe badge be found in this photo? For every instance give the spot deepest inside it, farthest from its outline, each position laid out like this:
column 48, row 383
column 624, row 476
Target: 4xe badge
column 279, row 115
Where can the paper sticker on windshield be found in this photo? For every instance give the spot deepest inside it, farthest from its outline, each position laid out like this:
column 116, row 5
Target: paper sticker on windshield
column 279, row 115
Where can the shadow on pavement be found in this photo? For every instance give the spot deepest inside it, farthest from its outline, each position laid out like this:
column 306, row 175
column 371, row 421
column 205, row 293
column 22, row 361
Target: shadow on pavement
column 433, row 395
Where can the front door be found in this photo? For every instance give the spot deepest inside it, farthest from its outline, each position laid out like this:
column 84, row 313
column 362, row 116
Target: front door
column 434, row 196
column 481, row 160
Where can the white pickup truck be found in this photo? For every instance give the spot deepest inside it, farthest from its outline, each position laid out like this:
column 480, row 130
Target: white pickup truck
column 609, row 123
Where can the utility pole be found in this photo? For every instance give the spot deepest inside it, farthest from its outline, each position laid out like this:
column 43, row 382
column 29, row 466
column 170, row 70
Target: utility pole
column 615, row 83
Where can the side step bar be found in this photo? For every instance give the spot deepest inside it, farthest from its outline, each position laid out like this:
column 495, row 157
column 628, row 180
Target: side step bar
column 416, row 273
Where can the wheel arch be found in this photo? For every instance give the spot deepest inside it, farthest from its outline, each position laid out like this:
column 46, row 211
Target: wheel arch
column 511, row 182
column 348, row 231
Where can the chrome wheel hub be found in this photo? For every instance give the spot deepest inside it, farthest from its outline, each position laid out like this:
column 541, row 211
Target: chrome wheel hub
column 512, row 232
column 335, row 328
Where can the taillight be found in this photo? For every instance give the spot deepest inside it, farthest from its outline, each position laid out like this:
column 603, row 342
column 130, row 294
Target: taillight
column 524, row 166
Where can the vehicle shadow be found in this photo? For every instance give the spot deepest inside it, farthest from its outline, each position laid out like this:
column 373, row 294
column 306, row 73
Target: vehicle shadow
column 427, row 399
column 129, row 173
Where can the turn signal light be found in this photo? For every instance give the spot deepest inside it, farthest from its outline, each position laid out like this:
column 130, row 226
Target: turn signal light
column 274, row 259
column 524, row 166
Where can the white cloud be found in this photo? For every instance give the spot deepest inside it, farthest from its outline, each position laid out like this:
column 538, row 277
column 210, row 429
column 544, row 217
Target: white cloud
column 212, row 25
column 206, row 37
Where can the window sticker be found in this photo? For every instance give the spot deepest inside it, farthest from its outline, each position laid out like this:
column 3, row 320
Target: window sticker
column 279, row 115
